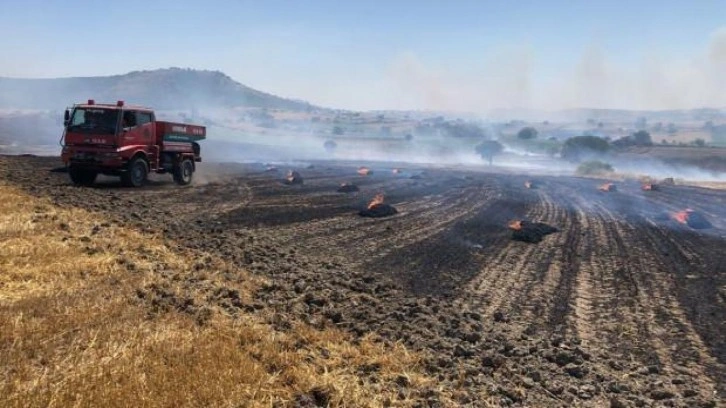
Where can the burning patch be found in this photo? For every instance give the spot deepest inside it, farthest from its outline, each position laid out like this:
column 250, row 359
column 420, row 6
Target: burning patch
column 532, row 232
column 293, row 177
column 348, row 188
column 691, row 218
column 396, row 171
column 649, row 187
column 364, row 171
column 608, row 187
column 271, row 169
column 530, row 184
column 377, row 208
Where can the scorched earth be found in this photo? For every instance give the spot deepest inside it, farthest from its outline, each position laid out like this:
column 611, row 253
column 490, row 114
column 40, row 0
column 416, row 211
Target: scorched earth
column 622, row 303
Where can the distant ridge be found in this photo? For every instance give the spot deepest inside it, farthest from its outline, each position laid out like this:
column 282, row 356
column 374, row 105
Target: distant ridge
column 169, row 88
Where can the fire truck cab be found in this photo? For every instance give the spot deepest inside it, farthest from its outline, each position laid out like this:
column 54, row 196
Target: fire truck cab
column 127, row 141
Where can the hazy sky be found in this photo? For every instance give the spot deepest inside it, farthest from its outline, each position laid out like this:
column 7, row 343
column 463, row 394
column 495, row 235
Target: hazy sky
column 460, row 55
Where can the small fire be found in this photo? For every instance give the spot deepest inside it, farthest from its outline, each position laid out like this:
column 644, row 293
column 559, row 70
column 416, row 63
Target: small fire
column 648, row 187
column 528, row 184
column 377, row 200
column 682, row 216
column 396, row 171
column 364, row 171
column 607, row 187
column 515, row 225
column 290, row 176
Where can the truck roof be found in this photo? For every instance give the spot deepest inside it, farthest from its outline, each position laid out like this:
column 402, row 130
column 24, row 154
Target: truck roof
column 112, row 106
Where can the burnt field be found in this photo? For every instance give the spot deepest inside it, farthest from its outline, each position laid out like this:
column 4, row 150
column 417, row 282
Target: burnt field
column 621, row 306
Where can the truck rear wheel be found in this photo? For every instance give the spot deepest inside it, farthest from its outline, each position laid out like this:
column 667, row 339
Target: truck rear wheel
column 136, row 173
column 82, row 177
column 183, row 172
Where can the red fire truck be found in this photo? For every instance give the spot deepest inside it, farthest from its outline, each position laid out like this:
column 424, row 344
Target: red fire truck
column 127, row 141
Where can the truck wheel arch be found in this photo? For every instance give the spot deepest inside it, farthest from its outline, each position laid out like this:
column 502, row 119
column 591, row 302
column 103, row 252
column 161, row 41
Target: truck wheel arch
column 141, row 155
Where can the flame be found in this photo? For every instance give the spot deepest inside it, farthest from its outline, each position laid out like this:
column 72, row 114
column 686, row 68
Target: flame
column 607, row 187
column 364, row 171
column 377, row 200
column 647, row 186
column 528, row 184
column 291, row 175
column 396, row 171
column 682, row 216
column 515, row 225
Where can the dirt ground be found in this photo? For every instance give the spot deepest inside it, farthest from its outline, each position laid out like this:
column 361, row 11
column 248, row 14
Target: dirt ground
column 622, row 307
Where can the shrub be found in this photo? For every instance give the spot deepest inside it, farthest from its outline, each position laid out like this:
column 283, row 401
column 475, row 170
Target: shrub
column 593, row 168
column 582, row 147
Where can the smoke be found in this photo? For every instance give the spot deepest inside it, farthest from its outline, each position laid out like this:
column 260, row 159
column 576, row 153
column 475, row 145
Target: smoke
column 502, row 81
column 511, row 78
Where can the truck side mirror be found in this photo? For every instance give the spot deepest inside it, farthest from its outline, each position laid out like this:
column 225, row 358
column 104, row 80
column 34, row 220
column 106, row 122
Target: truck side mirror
column 66, row 118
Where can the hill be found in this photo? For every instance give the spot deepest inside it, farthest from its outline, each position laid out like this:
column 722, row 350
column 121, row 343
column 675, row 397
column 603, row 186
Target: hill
column 172, row 88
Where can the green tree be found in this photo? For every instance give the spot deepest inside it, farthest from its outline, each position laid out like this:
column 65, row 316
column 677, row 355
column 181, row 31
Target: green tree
column 488, row 149
column 593, row 167
column 642, row 138
column 580, row 147
column 527, row 133
column 337, row 130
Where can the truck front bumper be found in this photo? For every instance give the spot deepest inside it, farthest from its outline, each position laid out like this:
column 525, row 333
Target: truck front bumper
column 108, row 160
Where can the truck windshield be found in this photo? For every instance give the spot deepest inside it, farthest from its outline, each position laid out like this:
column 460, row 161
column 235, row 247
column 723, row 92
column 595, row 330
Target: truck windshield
column 94, row 120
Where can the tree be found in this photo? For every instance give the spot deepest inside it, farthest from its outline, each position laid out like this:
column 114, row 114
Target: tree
column 488, row 149
column 527, row 133
column 593, row 167
column 581, row 147
column 672, row 129
column 462, row 129
column 337, row 130
column 642, row 138
column 699, row 142
column 408, row 137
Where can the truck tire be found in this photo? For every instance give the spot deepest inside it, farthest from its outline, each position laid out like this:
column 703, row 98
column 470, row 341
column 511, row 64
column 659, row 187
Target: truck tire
column 136, row 173
column 183, row 172
column 82, row 177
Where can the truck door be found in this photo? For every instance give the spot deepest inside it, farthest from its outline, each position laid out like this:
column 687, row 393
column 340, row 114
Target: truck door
column 138, row 128
column 147, row 130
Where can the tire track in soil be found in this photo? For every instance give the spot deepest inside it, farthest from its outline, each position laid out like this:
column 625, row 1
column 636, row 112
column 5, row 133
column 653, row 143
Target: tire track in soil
column 689, row 352
column 646, row 322
column 509, row 281
column 534, row 301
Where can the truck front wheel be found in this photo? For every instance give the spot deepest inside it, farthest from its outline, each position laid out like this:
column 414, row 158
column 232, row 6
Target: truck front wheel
column 183, row 172
column 82, row 177
column 136, row 173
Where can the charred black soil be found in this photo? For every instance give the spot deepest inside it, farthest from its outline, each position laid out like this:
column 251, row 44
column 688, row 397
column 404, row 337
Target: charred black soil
column 619, row 307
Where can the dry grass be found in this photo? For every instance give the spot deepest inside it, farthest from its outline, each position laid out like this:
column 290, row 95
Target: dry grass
column 73, row 331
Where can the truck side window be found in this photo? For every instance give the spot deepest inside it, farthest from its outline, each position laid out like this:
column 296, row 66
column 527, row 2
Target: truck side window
column 129, row 119
column 143, row 118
